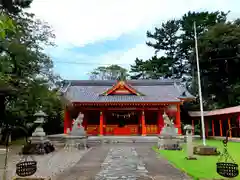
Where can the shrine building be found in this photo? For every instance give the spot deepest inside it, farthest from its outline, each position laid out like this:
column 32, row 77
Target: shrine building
column 132, row 107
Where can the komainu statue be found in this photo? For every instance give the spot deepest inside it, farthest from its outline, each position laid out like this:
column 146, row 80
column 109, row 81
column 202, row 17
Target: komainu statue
column 167, row 121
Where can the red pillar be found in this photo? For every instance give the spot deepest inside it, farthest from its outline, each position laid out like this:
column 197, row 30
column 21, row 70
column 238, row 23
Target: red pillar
column 160, row 121
column 213, row 130
column 67, row 121
column 143, row 124
column 178, row 120
column 101, row 123
column 220, row 126
column 104, row 125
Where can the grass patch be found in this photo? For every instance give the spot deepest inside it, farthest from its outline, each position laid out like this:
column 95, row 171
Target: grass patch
column 204, row 166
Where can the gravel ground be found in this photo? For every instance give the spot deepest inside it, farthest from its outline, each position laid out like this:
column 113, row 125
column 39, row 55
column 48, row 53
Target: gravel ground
column 48, row 165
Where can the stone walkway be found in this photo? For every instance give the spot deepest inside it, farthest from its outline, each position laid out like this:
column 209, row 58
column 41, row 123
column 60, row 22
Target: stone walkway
column 88, row 166
column 122, row 162
column 48, row 165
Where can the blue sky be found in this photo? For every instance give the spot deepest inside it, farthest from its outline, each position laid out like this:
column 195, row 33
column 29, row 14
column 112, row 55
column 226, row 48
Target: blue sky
column 90, row 33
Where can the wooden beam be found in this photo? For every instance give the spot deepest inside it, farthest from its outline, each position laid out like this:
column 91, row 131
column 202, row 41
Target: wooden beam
column 124, row 103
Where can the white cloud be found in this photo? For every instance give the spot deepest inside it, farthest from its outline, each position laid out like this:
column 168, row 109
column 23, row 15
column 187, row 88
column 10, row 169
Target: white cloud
column 126, row 58
column 80, row 22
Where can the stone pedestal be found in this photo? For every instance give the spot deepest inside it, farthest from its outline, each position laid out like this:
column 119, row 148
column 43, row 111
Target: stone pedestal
column 39, row 144
column 77, row 138
column 169, row 139
column 205, row 150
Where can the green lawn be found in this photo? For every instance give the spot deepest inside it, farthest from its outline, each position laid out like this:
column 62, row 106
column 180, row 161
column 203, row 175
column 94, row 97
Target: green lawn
column 204, row 166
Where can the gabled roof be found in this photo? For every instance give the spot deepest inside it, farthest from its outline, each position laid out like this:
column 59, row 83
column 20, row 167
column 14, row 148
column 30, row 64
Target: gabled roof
column 122, row 88
column 91, row 91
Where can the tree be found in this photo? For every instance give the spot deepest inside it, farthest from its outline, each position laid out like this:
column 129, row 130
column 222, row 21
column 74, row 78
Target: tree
column 153, row 68
column 175, row 39
column 6, row 24
column 219, row 54
column 112, row 72
column 166, row 38
column 25, row 67
column 14, row 6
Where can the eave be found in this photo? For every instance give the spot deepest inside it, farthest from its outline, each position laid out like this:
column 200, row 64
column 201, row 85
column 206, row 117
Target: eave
column 98, row 104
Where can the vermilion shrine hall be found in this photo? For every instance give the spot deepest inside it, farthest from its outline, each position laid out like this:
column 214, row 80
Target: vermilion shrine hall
column 133, row 107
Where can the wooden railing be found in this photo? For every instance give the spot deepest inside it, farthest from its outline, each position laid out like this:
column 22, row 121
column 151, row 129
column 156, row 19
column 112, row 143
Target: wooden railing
column 93, row 129
column 152, row 129
column 109, row 129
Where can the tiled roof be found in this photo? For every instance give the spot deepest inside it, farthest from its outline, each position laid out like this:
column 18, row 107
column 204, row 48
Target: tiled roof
column 152, row 90
column 230, row 110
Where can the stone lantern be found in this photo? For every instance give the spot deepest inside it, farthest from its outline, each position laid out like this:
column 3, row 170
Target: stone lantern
column 189, row 132
column 39, row 144
column 40, row 119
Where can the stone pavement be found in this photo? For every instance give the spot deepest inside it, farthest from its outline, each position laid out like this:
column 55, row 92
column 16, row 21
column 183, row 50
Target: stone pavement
column 122, row 162
column 48, row 165
column 88, row 166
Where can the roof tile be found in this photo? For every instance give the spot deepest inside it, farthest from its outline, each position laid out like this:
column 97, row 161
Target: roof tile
column 153, row 90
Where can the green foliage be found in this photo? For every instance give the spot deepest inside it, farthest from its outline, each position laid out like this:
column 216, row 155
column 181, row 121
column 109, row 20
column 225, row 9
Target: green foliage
column 219, row 49
column 150, row 69
column 112, row 72
column 14, row 6
column 6, row 24
column 220, row 61
column 26, row 68
column 175, row 39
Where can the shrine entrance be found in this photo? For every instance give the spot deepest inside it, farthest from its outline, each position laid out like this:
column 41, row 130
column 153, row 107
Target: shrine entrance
column 122, row 123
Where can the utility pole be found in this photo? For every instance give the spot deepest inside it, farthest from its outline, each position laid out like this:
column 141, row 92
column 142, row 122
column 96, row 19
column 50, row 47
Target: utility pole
column 199, row 85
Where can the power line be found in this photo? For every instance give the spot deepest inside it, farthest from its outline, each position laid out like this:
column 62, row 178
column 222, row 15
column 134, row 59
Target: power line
column 86, row 63
column 124, row 64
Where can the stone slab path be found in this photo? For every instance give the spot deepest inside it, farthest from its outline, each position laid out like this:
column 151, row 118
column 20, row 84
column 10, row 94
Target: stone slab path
column 122, row 162
column 88, row 166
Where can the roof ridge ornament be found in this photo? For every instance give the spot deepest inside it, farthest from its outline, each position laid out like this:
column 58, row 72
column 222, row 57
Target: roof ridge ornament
column 122, row 88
